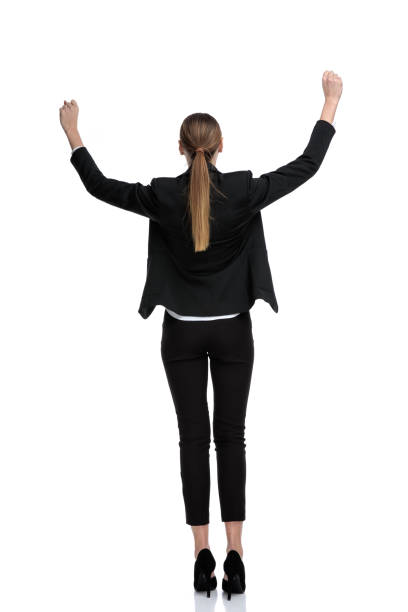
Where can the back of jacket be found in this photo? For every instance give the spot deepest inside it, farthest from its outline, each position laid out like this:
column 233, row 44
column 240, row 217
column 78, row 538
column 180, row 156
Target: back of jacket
column 234, row 271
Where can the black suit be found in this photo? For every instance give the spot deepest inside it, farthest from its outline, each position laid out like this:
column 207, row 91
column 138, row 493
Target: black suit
column 227, row 278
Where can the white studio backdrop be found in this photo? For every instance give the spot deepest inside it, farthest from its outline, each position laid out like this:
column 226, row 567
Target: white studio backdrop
column 91, row 506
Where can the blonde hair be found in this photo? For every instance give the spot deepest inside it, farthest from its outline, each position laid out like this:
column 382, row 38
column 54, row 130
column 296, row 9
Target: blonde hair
column 200, row 131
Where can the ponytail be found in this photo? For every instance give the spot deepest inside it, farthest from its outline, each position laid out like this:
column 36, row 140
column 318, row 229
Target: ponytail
column 200, row 128
column 199, row 201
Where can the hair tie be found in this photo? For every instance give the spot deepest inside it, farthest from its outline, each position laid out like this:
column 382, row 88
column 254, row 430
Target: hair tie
column 200, row 149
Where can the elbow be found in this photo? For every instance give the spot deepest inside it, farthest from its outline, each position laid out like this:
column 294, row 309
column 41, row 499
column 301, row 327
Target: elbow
column 314, row 167
column 94, row 188
column 313, row 164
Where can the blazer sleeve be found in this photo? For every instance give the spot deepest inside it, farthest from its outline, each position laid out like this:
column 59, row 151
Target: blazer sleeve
column 271, row 186
column 134, row 197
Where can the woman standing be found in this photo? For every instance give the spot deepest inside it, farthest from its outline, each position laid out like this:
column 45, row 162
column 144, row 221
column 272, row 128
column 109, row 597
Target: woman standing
column 207, row 264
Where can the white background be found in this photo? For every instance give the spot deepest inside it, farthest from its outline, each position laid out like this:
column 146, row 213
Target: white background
column 91, row 513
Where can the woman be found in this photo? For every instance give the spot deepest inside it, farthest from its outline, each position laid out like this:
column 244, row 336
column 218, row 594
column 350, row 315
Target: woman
column 207, row 264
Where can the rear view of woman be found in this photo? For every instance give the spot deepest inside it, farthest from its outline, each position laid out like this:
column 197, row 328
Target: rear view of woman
column 207, row 264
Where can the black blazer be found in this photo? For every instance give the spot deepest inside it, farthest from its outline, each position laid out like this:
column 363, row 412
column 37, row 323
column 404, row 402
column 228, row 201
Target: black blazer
column 234, row 271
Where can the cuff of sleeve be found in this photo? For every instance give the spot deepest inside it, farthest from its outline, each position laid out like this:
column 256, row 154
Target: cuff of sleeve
column 79, row 155
column 76, row 148
column 326, row 125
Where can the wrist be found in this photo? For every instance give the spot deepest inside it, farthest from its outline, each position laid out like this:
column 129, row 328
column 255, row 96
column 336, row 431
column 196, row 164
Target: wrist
column 74, row 138
column 72, row 132
column 329, row 110
column 331, row 102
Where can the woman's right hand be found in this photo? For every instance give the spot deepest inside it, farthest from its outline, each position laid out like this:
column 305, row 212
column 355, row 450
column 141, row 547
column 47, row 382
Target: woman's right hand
column 332, row 86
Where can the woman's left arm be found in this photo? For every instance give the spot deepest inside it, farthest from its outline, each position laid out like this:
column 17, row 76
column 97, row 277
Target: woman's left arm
column 133, row 197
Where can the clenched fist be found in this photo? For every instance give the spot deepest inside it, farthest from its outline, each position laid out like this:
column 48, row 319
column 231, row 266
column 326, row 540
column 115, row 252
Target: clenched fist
column 69, row 116
column 332, row 86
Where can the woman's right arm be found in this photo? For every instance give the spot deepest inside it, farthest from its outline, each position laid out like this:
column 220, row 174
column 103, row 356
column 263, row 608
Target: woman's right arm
column 271, row 186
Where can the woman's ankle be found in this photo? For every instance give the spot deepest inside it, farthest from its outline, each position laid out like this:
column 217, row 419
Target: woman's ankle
column 237, row 547
column 197, row 549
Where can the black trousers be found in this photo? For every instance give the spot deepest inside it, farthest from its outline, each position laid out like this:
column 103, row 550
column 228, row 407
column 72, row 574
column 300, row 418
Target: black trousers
column 186, row 348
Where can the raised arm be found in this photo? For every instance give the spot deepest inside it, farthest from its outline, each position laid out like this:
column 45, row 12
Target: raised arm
column 133, row 197
column 271, row 186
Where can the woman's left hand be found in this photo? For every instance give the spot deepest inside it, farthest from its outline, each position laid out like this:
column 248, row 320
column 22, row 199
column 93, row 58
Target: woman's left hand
column 69, row 116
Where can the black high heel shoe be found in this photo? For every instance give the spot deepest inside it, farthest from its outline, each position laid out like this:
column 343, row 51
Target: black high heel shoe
column 235, row 570
column 203, row 567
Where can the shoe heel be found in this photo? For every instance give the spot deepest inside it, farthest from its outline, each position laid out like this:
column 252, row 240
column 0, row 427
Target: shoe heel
column 203, row 567
column 234, row 585
column 235, row 571
column 203, row 584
